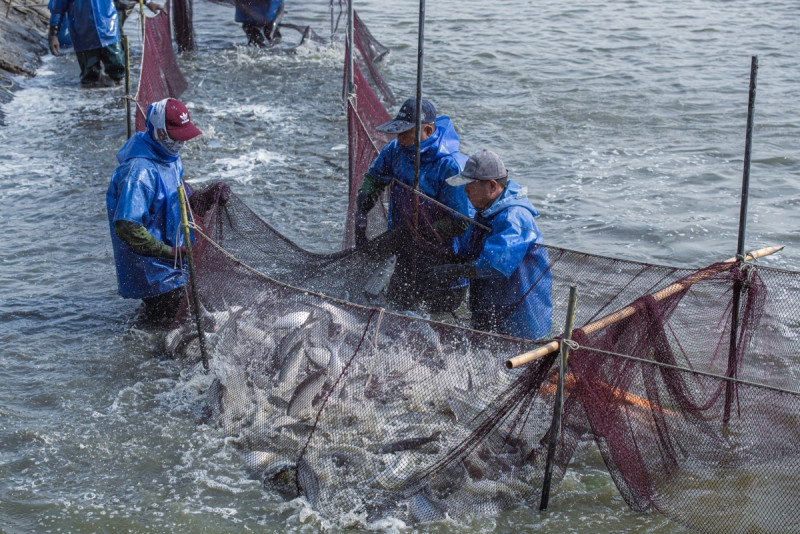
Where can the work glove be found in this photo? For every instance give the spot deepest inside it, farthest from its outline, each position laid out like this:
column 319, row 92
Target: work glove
column 174, row 252
column 449, row 227
column 442, row 275
column 388, row 243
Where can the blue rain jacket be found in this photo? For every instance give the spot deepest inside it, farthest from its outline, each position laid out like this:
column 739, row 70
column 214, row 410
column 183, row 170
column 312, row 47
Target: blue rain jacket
column 439, row 160
column 258, row 12
column 144, row 190
column 92, row 24
column 514, row 281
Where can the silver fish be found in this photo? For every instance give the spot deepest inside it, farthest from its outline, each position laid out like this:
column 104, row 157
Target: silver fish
column 307, row 395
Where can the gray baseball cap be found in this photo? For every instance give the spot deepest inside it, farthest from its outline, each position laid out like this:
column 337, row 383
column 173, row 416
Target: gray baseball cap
column 483, row 165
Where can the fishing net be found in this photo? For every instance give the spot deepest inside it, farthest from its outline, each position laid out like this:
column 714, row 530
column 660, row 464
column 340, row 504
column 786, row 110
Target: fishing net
column 183, row 23
column 370, row 414
column 684, row 380
column 160, row 76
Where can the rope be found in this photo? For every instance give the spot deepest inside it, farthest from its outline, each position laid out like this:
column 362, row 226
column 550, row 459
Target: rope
column 573, row 345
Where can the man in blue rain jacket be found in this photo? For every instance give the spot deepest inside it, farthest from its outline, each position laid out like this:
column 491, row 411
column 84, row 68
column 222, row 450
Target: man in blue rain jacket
column 144, row 212
column 259, row 19
column 95, row 34
column 433, row 236
column 511, row 282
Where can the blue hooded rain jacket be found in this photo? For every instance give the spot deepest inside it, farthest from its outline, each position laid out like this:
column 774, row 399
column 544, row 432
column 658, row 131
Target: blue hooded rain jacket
column 92, row 24
column 144, row 190
column 514, row 281
column 258, row 12
column 439, row 160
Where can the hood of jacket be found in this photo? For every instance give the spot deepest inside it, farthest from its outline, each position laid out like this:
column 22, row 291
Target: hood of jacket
column 513, row 195
column 442, row 143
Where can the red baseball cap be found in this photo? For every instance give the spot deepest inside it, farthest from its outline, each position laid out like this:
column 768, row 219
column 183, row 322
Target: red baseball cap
column 179, row 124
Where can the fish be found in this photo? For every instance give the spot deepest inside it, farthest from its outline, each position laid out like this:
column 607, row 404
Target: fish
column 292, row 320
column 423, row 510
column 292, row 362
column 308, row 482
column 409, row 444
column 377, row 282
column 307, row 395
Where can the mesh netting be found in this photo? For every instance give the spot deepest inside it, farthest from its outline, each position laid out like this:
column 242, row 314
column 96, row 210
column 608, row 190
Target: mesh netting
column 160, row 76
column 370, row 414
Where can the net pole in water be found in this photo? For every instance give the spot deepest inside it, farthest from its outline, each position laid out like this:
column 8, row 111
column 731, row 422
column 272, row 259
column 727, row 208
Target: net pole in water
column 555, row 426
column 627, row 311
column 127, row 44
column 418, row 132
column 737, row 284
column 192, row 279
column 349, row 58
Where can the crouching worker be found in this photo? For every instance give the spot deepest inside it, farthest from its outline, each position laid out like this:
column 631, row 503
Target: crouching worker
column 259, row 19
column 510, row 276
column 421, row 233
column 144, row 211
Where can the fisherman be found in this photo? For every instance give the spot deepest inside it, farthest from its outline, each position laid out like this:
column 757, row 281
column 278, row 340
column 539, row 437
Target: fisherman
column 260, row 19
column 431, row 234
column 510, row 274
column 144, row 212
column 94, row 29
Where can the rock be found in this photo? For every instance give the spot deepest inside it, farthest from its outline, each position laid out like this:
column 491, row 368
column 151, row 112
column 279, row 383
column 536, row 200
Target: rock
column 23, row 36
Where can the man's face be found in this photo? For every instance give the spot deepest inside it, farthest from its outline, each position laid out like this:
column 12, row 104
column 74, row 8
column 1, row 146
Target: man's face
column 481, row 193
column 408, row 137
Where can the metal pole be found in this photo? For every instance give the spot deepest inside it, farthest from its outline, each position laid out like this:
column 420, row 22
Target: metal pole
column 192, row 279
column 737, row 284
column 418, row 132
column 127, row 44
column 555, row 426
column 420, row 54
column 350, row 56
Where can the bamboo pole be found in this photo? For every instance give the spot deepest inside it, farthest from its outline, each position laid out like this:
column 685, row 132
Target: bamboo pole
column 192, row 279
column 555, row 426
column 627, row 311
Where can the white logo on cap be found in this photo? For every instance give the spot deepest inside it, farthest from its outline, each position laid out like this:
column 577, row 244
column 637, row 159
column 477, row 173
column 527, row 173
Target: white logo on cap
column 184, row 118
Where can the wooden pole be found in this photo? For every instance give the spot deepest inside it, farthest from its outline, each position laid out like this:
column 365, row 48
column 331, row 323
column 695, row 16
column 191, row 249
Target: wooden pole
column 192, row 279
column 555, row 426
column 627, row 311
column 127, row 44
column 418, row 133
column 737, row 284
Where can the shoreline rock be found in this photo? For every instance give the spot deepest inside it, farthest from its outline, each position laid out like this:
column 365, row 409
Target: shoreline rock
column 23, row 35
column 23, row 40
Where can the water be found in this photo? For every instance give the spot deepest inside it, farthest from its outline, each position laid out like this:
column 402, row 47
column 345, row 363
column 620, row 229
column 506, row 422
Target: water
column 626, row 120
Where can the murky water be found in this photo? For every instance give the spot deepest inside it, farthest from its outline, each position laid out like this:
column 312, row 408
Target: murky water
column 626, row 120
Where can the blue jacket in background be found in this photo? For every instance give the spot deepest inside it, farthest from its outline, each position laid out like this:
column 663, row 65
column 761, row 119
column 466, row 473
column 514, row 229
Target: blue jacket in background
column 258, row 12
column 144, row 190
column 439, row 160
column 92, row 24
column 515, row 281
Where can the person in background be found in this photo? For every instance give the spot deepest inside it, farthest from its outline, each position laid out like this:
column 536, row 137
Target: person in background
column 511, row 282
column 94, row 29
column 125, row 7
column 144, row 211
column 432, row 237
column 259, row 19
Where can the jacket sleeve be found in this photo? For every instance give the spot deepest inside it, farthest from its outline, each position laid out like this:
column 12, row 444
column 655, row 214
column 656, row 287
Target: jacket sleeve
column 139, row 239
column 57, row 8
column 135, row 196
column 381, row 169
column 506, row 247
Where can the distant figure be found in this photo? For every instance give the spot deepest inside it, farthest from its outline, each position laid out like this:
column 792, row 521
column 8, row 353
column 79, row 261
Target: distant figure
column 125, row 7
column 431, row 238
column 510, row 275
column 144, row 212
column 260, row 19
column 94, row 31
